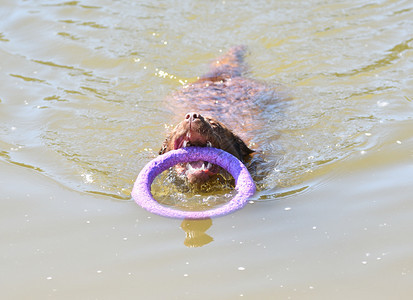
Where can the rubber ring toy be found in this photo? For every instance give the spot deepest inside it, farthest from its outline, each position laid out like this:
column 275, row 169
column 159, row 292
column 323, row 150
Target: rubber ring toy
column 244, row 184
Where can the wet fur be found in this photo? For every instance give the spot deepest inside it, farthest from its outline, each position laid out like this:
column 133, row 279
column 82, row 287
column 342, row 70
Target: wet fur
column 223, row 93
column 213, row 131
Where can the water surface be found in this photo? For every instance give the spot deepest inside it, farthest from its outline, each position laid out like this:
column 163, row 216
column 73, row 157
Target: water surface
column 82, row 111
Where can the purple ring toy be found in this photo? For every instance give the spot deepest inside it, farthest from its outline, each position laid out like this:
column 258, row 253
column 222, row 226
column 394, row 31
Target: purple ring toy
column 245, row 186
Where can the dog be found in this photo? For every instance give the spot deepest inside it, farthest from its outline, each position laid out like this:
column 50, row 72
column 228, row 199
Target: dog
column 223, row 95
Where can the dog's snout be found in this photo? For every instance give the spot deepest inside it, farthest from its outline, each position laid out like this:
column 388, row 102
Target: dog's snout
column 192, row 116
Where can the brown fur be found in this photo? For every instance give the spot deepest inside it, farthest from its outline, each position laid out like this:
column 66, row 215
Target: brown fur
column 221, row 92
column 200, row 130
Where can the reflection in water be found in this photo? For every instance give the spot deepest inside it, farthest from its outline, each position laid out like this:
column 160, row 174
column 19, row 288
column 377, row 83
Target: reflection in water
column 195, row 232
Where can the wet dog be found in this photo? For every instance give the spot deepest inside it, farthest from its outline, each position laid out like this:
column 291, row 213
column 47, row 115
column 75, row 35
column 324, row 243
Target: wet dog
column 197, row 130
column 220, row 97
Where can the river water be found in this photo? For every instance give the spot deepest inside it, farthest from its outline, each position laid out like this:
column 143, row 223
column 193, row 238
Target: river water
column 82, row 110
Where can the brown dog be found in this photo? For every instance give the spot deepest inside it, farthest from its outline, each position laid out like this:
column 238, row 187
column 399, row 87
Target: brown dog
column 222, row 93
column 196, row 130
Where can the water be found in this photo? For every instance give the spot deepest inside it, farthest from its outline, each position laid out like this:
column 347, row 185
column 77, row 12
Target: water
column 82, row 111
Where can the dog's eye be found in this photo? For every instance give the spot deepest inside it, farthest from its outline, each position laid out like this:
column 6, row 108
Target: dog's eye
column 209, row 121
column 213, row 124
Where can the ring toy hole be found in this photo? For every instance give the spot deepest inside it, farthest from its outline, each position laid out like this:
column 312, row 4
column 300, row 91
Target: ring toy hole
column 244, row 185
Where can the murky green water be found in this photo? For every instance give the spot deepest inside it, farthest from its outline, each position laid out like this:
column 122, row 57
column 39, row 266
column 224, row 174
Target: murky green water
column 82, row 110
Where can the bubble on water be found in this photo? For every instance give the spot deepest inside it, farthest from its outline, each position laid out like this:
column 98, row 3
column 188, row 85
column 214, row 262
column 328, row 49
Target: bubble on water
column 382, row 103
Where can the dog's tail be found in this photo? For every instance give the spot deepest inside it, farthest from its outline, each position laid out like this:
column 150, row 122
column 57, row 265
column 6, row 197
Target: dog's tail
column 229, row 65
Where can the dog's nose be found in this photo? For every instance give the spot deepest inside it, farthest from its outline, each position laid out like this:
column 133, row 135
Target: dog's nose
column 192, row 116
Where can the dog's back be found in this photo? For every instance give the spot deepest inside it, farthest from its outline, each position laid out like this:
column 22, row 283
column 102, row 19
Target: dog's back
column 228, row 66
column 222, row 109
column 225, row 94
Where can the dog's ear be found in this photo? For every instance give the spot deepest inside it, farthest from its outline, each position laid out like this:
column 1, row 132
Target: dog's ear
column 241, row 147
column 164, row 147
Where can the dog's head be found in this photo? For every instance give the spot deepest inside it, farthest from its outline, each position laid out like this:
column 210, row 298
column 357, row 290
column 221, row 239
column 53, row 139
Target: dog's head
column 196, row 130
